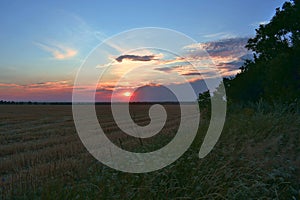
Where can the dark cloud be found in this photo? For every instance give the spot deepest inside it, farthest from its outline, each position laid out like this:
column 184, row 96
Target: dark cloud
column 228, row 54
column 192, row 74
column 233, row 65
column 160, row 93
column 103, row 90
column 168, row 69
column 103, row 95
column 135, row 58
column 150, row 93
column 234, row 47
column 164, row 69
column 228, row 47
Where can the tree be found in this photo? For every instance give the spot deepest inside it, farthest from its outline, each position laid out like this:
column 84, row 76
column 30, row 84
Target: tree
column 274, row 74
column 204, row 99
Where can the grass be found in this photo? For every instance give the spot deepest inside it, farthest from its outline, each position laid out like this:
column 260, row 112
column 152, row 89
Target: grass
column 257, row 157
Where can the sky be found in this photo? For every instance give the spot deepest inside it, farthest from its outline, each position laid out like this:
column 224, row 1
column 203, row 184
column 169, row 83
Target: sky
column 44, row 44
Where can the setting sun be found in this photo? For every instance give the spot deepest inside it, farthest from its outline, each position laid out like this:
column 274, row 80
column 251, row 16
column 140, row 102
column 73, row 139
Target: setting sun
column 127, row 94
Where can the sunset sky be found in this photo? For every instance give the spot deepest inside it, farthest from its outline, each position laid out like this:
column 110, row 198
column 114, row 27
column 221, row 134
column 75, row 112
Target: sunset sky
column 44, row 43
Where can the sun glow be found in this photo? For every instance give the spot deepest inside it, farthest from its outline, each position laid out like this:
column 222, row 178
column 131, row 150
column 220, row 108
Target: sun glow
column 127, row 94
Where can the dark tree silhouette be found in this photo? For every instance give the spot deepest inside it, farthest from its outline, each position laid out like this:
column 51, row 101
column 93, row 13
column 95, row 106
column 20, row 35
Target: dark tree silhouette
column 274, row 74
column 204, row 99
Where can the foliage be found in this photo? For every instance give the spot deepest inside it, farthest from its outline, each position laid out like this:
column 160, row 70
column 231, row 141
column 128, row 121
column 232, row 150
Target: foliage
column 274, row 74
column 204, row 99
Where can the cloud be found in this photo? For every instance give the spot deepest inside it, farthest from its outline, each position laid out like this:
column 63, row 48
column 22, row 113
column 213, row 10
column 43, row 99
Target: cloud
column 104, row 90
column 58, row 51
column 228, row 47
column 135, row 58
column 220, row 35
column 9, row 85
column 185, row 70
column 198, row 62
column 228, row 55
column 176, row 60
column 231, row 65
column 256, row 24
column 264, row 22
column 168, row 69
column 52, row 85
column 42, row 91
column 160, row 93
column 192, row 74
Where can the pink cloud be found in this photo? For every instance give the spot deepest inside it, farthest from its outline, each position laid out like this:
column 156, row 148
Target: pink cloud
column 46, row 91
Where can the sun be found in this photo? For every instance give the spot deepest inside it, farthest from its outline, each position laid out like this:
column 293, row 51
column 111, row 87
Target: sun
column 127, row 94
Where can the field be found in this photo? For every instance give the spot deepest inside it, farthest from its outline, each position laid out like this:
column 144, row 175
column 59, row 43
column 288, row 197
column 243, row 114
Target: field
column 42, row 157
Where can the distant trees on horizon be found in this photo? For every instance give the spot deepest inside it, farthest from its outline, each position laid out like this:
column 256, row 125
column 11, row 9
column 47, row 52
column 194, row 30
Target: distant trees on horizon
column 17, row 102
column 32, row 103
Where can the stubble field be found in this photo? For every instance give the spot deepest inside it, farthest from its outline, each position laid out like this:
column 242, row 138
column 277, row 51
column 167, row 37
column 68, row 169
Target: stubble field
column 42, row 157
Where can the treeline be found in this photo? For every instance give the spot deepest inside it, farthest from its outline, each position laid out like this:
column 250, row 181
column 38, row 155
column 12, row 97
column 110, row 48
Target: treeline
column 274, row 73
column 96, row 103
column 33, row 103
